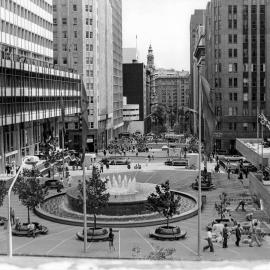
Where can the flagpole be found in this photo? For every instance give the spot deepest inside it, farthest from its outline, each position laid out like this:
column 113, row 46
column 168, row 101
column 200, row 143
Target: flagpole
column 199, row 168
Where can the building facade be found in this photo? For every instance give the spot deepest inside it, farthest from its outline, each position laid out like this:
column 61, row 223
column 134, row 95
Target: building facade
column 172, row 89
column 88, row 38
column 134, row 87
column 34, row 96
column 237, row 35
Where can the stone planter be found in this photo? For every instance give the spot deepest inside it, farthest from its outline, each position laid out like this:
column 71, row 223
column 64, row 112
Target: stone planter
column 168, row 233
column 99, row 234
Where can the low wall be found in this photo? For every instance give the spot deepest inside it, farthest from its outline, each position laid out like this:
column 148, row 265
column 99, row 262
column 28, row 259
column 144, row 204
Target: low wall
column 256, row 187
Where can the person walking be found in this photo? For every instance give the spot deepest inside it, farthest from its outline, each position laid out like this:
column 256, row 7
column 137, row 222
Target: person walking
column 12, row 216
column 209, row 241
column 225, row 235
column 238, row 235
column 111, row 238
column 229, row 172
column 254, row 236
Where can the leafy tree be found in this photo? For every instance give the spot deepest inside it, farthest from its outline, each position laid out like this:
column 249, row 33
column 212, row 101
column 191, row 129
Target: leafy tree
column 96, row 195
column 163, row 201
column 29, row 189
column 222, row 204
column 3, row 191
column 159, row 115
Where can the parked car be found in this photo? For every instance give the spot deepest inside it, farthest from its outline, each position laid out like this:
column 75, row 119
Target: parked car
column 53, row 183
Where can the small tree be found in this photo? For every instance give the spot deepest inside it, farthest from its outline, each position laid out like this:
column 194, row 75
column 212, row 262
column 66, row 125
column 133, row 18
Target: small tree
column 163, row 201
column 96, row 195
column 3, row 191
column 30, row 190
column 222, row 204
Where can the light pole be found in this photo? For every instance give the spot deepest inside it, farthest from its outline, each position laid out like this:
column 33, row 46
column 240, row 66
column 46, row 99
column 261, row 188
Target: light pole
column 31, row 160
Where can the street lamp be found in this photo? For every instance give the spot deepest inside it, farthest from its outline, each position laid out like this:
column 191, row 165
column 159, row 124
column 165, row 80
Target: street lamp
column 29, row 160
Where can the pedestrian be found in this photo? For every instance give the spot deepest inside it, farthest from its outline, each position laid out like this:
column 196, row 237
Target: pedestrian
column 152, row 155
column 242, row 204
column 101, row 167
column 246, row 172
column 104, row 152
column 111, row 238
column 12, row 216
column 225, row 235
column 229, row 172
column 254, row 236
column 238, row 235
column 209, row 241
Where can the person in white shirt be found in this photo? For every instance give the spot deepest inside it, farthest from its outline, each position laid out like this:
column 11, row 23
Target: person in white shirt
column 209, row 240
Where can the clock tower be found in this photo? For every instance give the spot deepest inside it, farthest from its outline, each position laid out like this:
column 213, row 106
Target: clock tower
column 150, row 58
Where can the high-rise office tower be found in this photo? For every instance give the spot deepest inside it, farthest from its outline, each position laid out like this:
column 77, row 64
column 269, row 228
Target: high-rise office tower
column 236, row 40
column 87, row 38
column 33, row 95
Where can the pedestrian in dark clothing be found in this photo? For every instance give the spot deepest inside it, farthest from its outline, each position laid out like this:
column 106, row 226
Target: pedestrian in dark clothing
column 101, row 167
column 229, row 173
column 238, row 235
column 225, row 234
column 104, row 152
column 12, row 216
column 246, row 172
column 110, row 238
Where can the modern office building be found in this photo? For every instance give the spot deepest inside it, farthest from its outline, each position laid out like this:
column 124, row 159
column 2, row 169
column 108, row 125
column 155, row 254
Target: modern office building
column 172, row 89
column 117, row 67
column 196, row 20
column 88, row 38
column 237, row 35
column 33, row 95
column 134, row 88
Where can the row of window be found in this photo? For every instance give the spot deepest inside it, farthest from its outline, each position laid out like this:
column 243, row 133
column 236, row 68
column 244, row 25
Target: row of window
column 25, row 34
column 27, row 14
column 88, row 8
column 233, row 83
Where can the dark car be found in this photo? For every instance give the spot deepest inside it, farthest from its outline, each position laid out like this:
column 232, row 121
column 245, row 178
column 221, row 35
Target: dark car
column 168, row 162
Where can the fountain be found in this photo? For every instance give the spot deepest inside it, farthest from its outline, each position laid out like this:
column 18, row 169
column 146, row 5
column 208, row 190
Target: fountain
column 127, row 204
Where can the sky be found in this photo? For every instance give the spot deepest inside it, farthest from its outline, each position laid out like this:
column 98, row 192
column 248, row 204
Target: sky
column 164, row 24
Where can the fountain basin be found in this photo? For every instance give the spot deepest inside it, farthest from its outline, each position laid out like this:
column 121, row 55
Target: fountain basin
column 119, row 205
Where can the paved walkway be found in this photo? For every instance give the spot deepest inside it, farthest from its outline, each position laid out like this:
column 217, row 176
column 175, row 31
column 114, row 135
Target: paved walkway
column 135, row 242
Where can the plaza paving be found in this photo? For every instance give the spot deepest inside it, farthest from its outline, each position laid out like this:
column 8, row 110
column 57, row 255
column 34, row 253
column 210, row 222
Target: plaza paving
column 135, row 242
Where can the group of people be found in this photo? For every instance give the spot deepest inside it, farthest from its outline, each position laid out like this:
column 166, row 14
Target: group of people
column 221, row 233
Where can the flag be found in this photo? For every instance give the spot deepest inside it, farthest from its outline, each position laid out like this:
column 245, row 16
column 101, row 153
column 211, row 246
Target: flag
column 208, row 113
column 84, row 112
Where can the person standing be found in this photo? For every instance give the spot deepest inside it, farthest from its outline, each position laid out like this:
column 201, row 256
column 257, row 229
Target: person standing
column 229, row 172
column 238, row 235
column 209, row 241
column 111, row 238
column 254, row 236
column 225, row 235
column 12, row 216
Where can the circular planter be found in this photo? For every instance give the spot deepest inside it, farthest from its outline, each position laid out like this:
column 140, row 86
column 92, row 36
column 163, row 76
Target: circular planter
column 40, row 229
column 98, row 234
column 168, row 233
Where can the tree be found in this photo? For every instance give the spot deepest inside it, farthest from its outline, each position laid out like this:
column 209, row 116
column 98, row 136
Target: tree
column 3, row 191
column 221, row 206
column 96, row 195
column 159, row 115
column 29, row 189
column 164, row 201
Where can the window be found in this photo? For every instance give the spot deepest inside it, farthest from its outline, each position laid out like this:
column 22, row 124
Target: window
column 245, row 97
column 235, row 53
column 54, row 21
column 91, row 47
column 245, row 126
column 64, row 34
column 235, row 38
column 87, row 72
column 235, row 82
column 64, row 21
column 230, row 38
column 91, row 124
column 75, row 60
column 230, row 82
column 54, row 8
column 87, row 34
column 91, row 34
column 230, row 111
column 230, row 69
column 87, row 21
column 76, row 125
column 235, row 96
column 75, row 47
column 75, row 34
column 91, row 99
column 234, row 9
column 234, row 23
column 91, row 112
column 230, row 24
column 75, row 21
column 235, row 67
column 87, row 60
column 230, row 9
column 230, row 95
column 87, row 47
column 74, row 7
column 86, row 8
column 64, row 60
column 230, row 53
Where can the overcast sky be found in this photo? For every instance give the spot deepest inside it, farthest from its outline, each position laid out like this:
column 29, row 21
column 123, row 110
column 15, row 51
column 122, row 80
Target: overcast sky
column 164, row 23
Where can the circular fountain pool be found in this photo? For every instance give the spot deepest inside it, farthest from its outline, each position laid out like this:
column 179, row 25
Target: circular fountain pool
column 127, row 205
